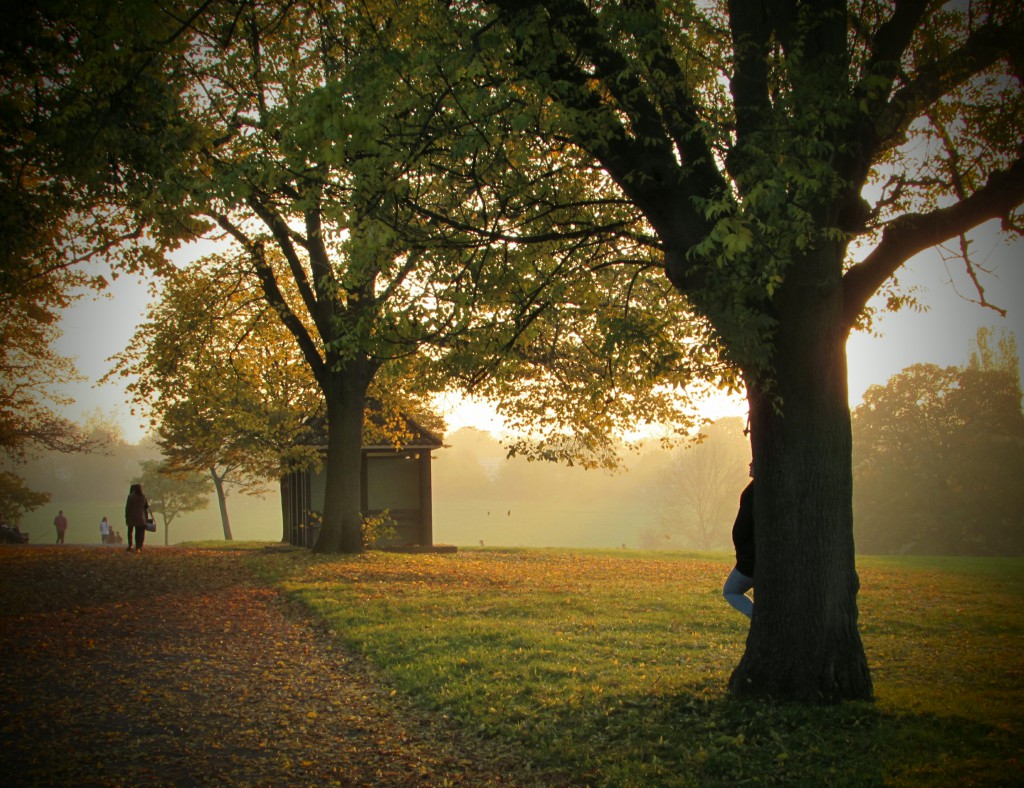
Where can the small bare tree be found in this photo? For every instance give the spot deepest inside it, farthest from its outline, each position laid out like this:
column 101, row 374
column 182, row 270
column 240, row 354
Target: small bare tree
column 700, row 489
column 171, row 493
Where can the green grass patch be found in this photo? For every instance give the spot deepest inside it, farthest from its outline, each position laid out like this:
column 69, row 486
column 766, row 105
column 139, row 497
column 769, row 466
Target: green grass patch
column 609, row 668
column 236, row 544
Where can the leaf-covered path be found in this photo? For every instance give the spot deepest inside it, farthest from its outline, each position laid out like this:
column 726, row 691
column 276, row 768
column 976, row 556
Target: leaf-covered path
column 174, row 668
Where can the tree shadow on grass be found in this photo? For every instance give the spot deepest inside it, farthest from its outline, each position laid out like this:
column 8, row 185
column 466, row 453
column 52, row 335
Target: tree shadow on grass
column 707, row 738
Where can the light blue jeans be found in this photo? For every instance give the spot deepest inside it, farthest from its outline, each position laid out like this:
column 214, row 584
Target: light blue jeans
column 735, row 592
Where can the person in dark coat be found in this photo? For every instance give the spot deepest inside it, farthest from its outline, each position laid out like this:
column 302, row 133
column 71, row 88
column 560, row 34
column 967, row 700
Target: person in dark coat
column 741, row 578
column 61, row 523
column 135, row 510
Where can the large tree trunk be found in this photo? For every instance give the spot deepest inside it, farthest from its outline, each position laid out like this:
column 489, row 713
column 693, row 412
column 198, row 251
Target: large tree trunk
column 341, row 530
column 804, row 642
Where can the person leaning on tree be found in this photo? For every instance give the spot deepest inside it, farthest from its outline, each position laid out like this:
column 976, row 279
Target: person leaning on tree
column 135, row 510
column 741, row 578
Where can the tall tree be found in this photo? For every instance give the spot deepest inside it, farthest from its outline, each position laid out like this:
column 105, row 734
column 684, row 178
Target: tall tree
column 226, row 388
column 220, row 377
column 765, row 144
column 699, row 490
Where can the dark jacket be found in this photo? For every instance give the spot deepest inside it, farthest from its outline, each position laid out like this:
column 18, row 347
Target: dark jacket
column 743, row 532
column 135, row 508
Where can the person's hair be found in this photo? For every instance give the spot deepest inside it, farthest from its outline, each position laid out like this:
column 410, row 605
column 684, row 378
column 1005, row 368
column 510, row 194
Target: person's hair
column 135, row 488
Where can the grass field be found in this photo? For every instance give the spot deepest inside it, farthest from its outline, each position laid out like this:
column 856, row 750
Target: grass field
column 609, row 668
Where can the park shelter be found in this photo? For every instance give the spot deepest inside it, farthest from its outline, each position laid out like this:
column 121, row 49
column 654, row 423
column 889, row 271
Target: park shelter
column 393, row 479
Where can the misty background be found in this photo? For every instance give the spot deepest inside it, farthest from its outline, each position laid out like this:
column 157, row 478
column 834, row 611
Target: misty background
column 938, row 458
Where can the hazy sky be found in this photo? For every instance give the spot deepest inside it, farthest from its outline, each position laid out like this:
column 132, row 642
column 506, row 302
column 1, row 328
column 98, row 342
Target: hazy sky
column 97, row 328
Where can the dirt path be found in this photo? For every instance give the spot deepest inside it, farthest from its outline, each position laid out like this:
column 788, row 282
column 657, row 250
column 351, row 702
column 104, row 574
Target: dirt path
column 171, row 668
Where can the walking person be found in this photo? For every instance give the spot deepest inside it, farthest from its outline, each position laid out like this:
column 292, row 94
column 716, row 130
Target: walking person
column 105, row 532
column 136, row 509
column 741, row 578
column 61, row 524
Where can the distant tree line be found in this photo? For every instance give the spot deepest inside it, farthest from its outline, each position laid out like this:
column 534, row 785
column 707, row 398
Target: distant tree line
column 102, row 474
column 939, row 456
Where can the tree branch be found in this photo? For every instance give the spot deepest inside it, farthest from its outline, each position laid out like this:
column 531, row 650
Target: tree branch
column 640, row 163
column 749, row 83
column 983, row 47
column 282, row 235
column 893, row 37
column 913, row 233
column 322, row 305
column 276, row 298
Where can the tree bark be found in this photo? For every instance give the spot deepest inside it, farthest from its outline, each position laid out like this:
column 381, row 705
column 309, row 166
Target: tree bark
column 341, row 530
column 222, row 501
column 284, row 486
column 804, row 643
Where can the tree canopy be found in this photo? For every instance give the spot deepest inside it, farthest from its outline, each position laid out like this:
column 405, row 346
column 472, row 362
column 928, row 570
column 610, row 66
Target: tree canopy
column 87, row 122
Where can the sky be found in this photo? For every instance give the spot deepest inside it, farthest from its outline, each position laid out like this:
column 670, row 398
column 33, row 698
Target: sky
column 94, row 329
